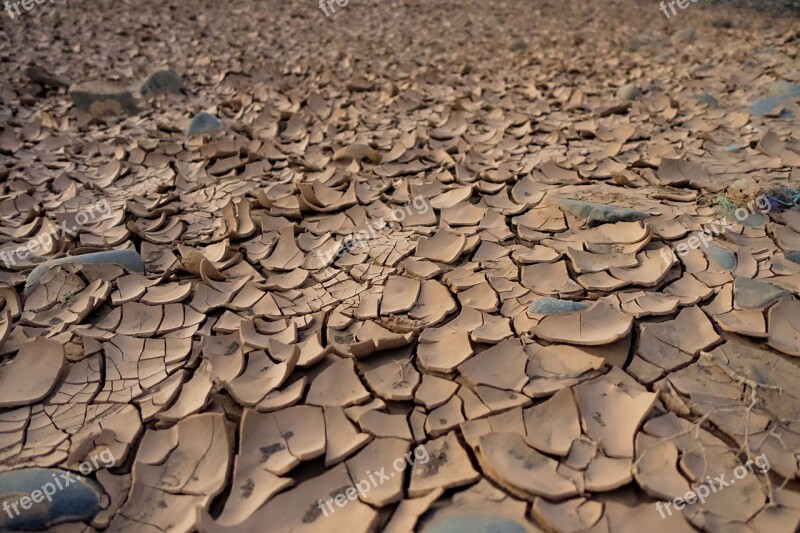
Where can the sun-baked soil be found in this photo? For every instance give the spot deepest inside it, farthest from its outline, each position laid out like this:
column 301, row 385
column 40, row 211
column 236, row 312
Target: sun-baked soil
column 457, row 243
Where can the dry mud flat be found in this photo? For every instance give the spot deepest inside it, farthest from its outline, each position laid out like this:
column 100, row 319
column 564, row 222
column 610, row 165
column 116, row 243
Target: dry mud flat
column 496, row 266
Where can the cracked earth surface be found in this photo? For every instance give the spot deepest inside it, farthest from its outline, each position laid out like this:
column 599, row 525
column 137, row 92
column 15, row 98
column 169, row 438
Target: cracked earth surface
column 447, row 225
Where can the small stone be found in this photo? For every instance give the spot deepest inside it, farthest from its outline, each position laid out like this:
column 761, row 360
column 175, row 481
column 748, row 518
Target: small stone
column 78, row 501
column 755, row 294
column 100, row 98
column 596, row 214
column 448, row 523
column 38, row 74
column 684, row 36
column 793, row 256
column 518, row 45
column 722, row 257
column 707, row 99
column 160, row 82
column 629, row 92
column 764, row 106
column 784, row 89
column 555, row 306
column 129, row 259
column 204, row 123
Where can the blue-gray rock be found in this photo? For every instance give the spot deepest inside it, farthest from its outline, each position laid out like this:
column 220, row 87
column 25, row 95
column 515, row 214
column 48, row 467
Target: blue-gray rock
column 129, row 259
column 780, row 93
column 784, row 89
column 204, row 123
column 752, row 220
column 763, row 106
column 684, row 36
column 793, row 256
column 646, row 40
column 40, row 75
column 706, row 98
column 722, row 257
column 518, row 45
column 477, row 523
column 161, row 81
column 78, row 501
column 629, row 92
column 755, row 294
column 556, row 306
column 99, row 99
column 596, row 214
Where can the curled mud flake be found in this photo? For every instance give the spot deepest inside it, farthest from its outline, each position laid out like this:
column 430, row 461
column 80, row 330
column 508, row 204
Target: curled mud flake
column 32, row 374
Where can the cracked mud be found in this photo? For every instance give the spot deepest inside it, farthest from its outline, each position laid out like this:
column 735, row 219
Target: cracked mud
column 508, row 232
